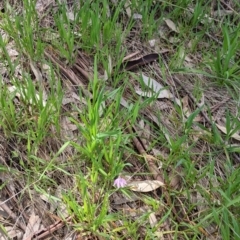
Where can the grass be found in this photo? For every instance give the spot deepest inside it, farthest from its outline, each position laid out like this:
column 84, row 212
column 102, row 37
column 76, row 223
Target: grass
column 71, row 122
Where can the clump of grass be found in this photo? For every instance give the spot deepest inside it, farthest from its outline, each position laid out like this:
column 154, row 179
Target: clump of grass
column 24, row 29
column 101, row 149
column 226, row 64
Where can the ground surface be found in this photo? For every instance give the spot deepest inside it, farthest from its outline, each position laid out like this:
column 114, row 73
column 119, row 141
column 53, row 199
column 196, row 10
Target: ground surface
column 119, row 119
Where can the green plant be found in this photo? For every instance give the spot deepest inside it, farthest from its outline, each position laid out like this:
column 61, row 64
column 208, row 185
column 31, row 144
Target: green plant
column 226, row 63
column 101, row 150
column 66, row 29
column 226, row 214
column 24, row 29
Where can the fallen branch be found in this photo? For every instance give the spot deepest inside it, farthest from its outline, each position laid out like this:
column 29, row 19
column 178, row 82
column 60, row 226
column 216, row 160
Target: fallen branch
column 40, row 234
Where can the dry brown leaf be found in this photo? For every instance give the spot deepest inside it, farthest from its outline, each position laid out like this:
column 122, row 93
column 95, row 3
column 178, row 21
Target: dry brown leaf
column 188, row 59
column 163, row 94
column 19, row 93
column 37, row 73
column 153, row 220
column 198, row 132
column 174, row 40
column 32, row 227
column 12, row 233
column 72, row 97
column 159, row 235
column 185, row 106
column 171, row 25
column 152, row 42
column 41, row 5
column 144, row 132
column 175, row 181
column 12, row 52
column 201, row 101
column 145, row 186
column 222, row 13
column 186, row 109
column 119, row 198
column 68, row 129
column 188, row 62
column 224, row 130
column 128, row 9
column 70, row 15
column 137, row 16
column 158, row 89
column 124, row 103
column 162, row 31
column 61, row 207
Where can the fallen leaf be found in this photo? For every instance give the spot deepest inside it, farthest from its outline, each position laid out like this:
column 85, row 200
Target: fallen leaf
column 70, row 15
column 12, row 233
column 137, row 16
column 119, row 198
column 159, row 235
column 153, row 220
column 127, row 8
column 41, row 5
column 171, row 25
column 152, row 42
column 198, row 132
column 188, row 59
column 125, row 103
column 201, row 101
column 222, row 13
column 36, row 71
column 68, row 127
column 145, row 186
column 130, row 56
column 32, row 227
column 12, row 52
column 163, row 94
column 175, row 181
column 20, row 93
column 102, row 108
column 157, row 88
column 185, row 106
column 163, row 32
column 224, row 130
column 174, row 40
column 61, row 206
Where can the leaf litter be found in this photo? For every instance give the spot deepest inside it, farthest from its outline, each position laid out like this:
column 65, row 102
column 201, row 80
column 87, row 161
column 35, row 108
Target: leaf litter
column 158, row 89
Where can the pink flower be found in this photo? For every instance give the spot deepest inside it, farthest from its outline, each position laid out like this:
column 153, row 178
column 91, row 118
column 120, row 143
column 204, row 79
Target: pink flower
column 120, row 182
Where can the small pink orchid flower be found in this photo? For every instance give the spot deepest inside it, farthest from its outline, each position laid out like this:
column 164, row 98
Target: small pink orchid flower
column 120, row 182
